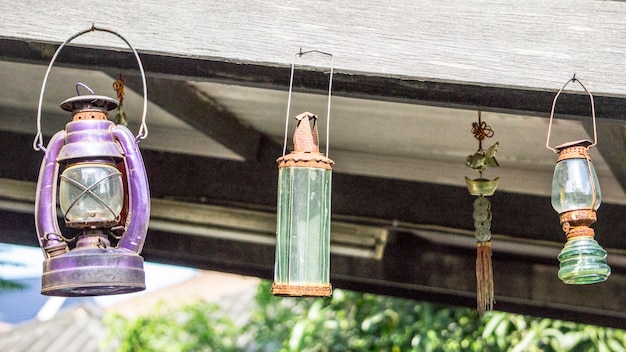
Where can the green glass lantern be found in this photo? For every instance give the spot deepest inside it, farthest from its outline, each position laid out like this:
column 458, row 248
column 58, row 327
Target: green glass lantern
column 576, row 196
column 303, row 219
column 303, row 210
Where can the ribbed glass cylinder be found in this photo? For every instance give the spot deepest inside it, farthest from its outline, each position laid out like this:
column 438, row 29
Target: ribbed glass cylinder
column 583, row 261
column 303, row 226
column 575, row 186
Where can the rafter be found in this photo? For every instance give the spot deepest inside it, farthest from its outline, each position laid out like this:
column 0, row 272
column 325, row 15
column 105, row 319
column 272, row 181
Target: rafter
column 202, row 112
column 412, row 267
column 345, row 83
column 611, row 144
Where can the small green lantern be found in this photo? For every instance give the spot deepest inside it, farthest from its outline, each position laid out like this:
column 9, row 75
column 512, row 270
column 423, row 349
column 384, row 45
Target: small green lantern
column 576, row 196
column 303, row 219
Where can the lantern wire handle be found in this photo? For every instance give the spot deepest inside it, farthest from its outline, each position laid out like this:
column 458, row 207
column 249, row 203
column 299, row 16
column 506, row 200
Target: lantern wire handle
column 593, row 113
column 330, row 87
column 143, row 129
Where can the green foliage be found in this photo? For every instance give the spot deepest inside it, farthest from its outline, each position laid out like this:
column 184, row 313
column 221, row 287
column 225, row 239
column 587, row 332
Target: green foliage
column 516, row 333
column 351, row 321
column 196, row 327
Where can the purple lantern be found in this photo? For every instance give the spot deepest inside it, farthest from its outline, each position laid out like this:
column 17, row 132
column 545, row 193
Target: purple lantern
column 96, row 169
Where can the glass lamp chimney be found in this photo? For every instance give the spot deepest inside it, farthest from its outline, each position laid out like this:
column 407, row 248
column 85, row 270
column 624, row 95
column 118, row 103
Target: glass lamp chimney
column 101, row 205
column 575, row 183
column 303, row 219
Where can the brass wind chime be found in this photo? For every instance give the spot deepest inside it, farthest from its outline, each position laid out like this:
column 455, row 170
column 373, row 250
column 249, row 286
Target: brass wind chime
column 482, row 187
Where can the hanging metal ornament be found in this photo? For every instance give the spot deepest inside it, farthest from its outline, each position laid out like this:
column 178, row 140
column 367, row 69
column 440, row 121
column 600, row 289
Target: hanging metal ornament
column 482, row 187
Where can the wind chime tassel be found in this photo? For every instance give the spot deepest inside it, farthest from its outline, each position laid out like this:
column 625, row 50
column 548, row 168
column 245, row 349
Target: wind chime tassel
column 482, row 188
column 484, row 278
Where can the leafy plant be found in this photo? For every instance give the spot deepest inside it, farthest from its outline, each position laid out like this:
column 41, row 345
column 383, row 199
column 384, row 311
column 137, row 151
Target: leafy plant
column 352, row 321
column 199, row 326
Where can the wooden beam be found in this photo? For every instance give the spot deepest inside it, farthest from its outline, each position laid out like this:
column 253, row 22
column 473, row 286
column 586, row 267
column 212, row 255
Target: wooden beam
column 412, row 267
column 421, row 270
column 612, row 144
column 417, row 269
column 533, row 44
column 202, row 112
column 517, row 215
column 415, row 90
column 253, row 185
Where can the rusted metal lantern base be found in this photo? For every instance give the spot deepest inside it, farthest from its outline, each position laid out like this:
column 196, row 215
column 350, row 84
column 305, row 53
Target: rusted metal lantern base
column 93, row 272
column 577, row 218
column 302, row 291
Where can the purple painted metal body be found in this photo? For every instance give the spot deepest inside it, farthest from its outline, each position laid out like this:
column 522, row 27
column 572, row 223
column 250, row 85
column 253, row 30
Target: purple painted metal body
column 93, row 266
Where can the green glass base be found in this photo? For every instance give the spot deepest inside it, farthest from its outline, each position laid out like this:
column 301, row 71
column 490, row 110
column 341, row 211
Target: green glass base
column 583, row 261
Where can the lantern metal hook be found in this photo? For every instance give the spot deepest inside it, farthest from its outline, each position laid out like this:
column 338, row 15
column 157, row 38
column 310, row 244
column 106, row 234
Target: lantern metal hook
column 143, row 128
column 80, row 84
column 330, row 86
column 593, row 113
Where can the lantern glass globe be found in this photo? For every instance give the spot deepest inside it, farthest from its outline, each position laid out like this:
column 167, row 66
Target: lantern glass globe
column 575, row 186
column 91, row 195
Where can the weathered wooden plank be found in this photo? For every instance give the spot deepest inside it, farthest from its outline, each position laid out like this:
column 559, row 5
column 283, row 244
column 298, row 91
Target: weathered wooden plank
column 487, row 97
column 526, row 44
column 175, row 176
column 203, row 113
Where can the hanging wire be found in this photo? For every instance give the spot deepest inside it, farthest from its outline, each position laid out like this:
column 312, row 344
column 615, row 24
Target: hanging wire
column 330, row 87
column 593, row 113
column 143, row 128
